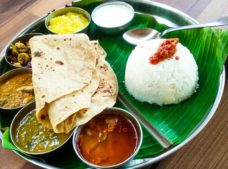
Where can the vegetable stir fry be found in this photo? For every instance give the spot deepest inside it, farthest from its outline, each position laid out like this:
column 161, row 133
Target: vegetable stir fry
column 20, row 54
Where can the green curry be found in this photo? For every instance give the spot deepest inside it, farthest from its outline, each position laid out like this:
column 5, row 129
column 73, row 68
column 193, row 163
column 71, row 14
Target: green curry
column 31, row 136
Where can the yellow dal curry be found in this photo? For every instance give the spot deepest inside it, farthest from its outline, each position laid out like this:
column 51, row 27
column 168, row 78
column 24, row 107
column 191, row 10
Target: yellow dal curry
column 16, row 91
column 68, row 23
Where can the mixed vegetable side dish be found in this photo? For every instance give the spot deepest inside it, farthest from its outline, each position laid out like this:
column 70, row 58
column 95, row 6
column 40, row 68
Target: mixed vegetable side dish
column 20, row 54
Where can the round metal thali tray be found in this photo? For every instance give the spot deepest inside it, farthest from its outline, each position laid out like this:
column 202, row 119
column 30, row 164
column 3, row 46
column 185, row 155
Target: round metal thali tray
column 163, row 14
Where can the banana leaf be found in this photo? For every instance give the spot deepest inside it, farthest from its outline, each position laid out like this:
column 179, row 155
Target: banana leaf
column 174, row 122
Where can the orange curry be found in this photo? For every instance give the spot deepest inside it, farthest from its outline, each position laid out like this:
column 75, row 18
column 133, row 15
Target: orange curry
column 107, row 140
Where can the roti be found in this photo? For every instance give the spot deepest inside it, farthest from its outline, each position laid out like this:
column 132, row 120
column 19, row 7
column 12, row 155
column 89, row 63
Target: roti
column 71, row 80
column 63, row 110
column 105, row 95
column 61, row 65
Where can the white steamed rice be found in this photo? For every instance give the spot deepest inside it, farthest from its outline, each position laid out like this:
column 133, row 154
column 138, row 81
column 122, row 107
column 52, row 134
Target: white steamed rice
column 168, row 82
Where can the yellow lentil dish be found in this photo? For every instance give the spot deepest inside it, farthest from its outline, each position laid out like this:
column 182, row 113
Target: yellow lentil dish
column 31, row 136
column 70, row 22
column 16, row 91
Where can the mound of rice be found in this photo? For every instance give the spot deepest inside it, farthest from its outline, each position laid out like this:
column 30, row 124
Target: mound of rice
column 168, row 82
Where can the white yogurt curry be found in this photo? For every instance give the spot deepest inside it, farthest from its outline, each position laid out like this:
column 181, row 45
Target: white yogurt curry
column 169, row 81
column 113, row 14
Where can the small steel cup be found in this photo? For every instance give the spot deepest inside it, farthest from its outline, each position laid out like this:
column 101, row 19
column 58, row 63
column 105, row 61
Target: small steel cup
column 24, row 38
column 112, row 30
column 116, row 111
column 19, row 116
column 7, row 76
column 63, row 11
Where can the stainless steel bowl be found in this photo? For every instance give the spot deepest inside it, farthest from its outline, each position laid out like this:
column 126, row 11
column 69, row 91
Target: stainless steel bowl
column 7, row 76
column 19, row 116
column 24, row 38
column 63, row 11
column 116, row 111
column 111, row 30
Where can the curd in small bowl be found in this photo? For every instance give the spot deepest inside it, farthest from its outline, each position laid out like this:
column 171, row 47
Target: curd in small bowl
column 113, row 17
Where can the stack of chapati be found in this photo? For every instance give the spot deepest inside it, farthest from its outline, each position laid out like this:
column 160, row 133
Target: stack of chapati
column 71, row 79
